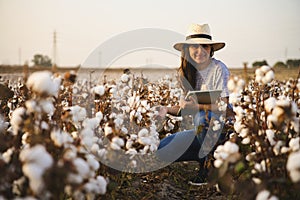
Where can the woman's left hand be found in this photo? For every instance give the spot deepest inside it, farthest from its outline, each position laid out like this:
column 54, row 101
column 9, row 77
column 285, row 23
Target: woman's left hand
column 191, row 103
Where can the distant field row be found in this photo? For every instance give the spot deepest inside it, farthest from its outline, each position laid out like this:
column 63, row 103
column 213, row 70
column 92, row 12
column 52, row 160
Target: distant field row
column 280, row 74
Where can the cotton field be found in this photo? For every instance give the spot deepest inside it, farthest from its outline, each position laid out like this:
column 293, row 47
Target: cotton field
column 58, row 132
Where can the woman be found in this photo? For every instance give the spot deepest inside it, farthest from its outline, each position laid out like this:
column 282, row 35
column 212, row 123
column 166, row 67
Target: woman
column 198, row 71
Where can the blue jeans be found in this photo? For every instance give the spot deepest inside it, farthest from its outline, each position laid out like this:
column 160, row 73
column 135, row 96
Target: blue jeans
column 187, row 145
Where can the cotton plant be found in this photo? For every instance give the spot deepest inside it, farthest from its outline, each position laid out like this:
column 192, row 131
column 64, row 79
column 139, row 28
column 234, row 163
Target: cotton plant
column 43, row 159
column 266, row 131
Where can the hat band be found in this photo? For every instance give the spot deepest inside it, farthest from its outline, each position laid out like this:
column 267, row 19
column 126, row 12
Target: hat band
column 198, row 36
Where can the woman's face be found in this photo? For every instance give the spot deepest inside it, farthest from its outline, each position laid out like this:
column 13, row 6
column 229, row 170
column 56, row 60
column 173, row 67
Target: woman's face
column 199, row 53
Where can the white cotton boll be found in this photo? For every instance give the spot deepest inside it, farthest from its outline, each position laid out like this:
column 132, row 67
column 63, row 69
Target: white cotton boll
column 265, row 68
column 56, row 138
column 218, row 163
column 268, row 77
column 144, row 103
column 270, row 135
column 91, row 123
column 277, row 148
column 294, row 144
column 101, row 184
column 34, row 172
column 153, row 147
column 263, row 195
column 240, row 84
column 234, row 98
column 143, row 133
column 119, row 121
column 246, row 140
column 3, row 124
column 133, row 137
column 47, row 107
column 231, row 147
column 128, row 144
column 130, row 101
column 107, row 129
column 124, row 130
column 293, row 166
column 7, row 155
column 131, row 151
column 78, row 113
column 81, row 167
column 100, row 90
column 231, row 85
column 125, row 78
column 244, row 132
column 99, row 115
column 118, row 141
column 74, row 178
column 295, row 124
column 16, row 118
column 145, row 140
column 216, row 126
column 42, row 83
column 87, row 132
column 93, row 163
column 270, row 104
column 257, row 181
column 32, row 106
column 87, row 142
column 37, row 154
column 69, row 155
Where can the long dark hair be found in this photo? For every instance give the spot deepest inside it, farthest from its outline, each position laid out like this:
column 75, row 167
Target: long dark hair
column 187, row 71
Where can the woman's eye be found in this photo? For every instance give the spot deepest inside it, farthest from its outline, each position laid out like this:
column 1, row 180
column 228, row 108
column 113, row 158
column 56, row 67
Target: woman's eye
column 205, row 46
column 195, row 46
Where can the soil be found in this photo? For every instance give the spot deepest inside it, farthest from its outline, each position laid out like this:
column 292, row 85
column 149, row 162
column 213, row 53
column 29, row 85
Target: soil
column 168, row 183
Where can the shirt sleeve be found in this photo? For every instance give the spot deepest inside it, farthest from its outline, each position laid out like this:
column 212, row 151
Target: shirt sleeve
column 221, row 79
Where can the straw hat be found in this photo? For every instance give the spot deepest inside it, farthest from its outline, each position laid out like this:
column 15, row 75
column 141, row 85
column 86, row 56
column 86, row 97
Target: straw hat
column 199, row 34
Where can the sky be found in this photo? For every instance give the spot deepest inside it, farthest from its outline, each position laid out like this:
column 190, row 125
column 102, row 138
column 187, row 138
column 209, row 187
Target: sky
column 253, row 30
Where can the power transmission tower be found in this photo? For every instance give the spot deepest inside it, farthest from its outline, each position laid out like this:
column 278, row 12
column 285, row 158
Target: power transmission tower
column 54, row 67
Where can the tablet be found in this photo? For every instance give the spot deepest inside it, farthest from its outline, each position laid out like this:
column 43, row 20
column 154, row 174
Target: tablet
column 205, row 96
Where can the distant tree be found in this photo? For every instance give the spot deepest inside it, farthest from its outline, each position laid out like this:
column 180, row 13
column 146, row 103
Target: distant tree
column 280, row 64
column 293, row 63
column 259, row 63
column 41, row 60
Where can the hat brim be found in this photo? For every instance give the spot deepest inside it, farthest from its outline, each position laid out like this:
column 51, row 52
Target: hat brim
column 216, row 45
